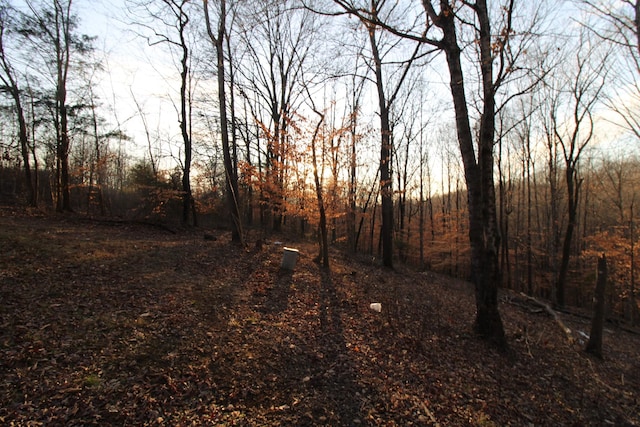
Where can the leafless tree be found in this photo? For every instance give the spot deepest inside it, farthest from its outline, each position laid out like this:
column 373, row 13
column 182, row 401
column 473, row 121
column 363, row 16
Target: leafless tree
column 230, row 167
column 278, row 43
column 371, row 16
column 10, row 85
column 316, row 135
column 498, row 49
column 618, row 24
column 168, row 22
column 572, row 111
column 356, row 87
column 51, row 29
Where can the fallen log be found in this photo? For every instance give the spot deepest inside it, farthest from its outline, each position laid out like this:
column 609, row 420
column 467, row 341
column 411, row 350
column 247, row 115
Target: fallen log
column 548, row 309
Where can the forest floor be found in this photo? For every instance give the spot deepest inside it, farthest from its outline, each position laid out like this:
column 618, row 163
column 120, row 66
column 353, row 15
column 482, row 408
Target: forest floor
column 106, row 323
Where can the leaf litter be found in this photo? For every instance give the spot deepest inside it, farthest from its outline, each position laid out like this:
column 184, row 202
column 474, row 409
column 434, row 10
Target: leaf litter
column 122, row 324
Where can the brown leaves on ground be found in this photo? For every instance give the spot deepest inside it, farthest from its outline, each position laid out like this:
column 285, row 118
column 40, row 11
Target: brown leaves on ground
column 116, row 324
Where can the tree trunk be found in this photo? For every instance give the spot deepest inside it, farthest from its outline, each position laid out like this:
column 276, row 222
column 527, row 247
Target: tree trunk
column 483, row 230
column 248, row 199
column 62, row 146
column 234, row 141
column 24, row 150
column 594, row 346
column 573, row 189
column 231, row 172
column 364, row 211
column 421, row 210
column 553, row 222
column 372, row 229
column 185, row 119
column 63, row 49
column 32, row 148
column 386, row 183
column 351, row 213
column 324, row 244
column 353, row 165
column 632, row 281
column 529, row 265
column 63, row 155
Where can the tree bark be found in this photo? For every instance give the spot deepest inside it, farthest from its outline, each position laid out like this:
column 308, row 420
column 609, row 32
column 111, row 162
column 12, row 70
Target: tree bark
column 231, row 172
column 594, row 346
column 324, row 243
column 572, row 190
column 483, row 228
column 421, row 208
column 386, row 183
column 32, row 199
column 62, row 41
column 351, row 214
column 632, row 281
column 185, row 117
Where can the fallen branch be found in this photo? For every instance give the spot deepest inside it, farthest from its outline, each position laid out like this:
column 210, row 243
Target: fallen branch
column 548, row 309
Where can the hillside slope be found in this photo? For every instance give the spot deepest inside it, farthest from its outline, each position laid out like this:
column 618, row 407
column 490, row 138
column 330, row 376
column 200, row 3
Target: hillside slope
column 123, row 324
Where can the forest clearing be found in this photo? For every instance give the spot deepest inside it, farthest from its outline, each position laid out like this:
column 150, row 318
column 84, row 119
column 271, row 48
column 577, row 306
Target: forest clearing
column 115, row 323
column 156, row 157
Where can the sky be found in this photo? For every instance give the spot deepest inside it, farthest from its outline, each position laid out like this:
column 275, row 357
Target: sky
column 134, row 72
column 135, row 69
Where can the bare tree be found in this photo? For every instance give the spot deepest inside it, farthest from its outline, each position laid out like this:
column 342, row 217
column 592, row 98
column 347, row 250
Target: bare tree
column 483, row 227
column 9, row 79
column 356, row 87
column 424, row 175
column 407, row 127
column 153, row 158
column 323, row 237
column 577, row 93
column 278, row 41
column 52, row 30
column 616, row 193
column 230, row 167
column 496, row 63
column 97, row 168
column 524, row 137
column 619, row 25
column 371, row 16
column 167, row 22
